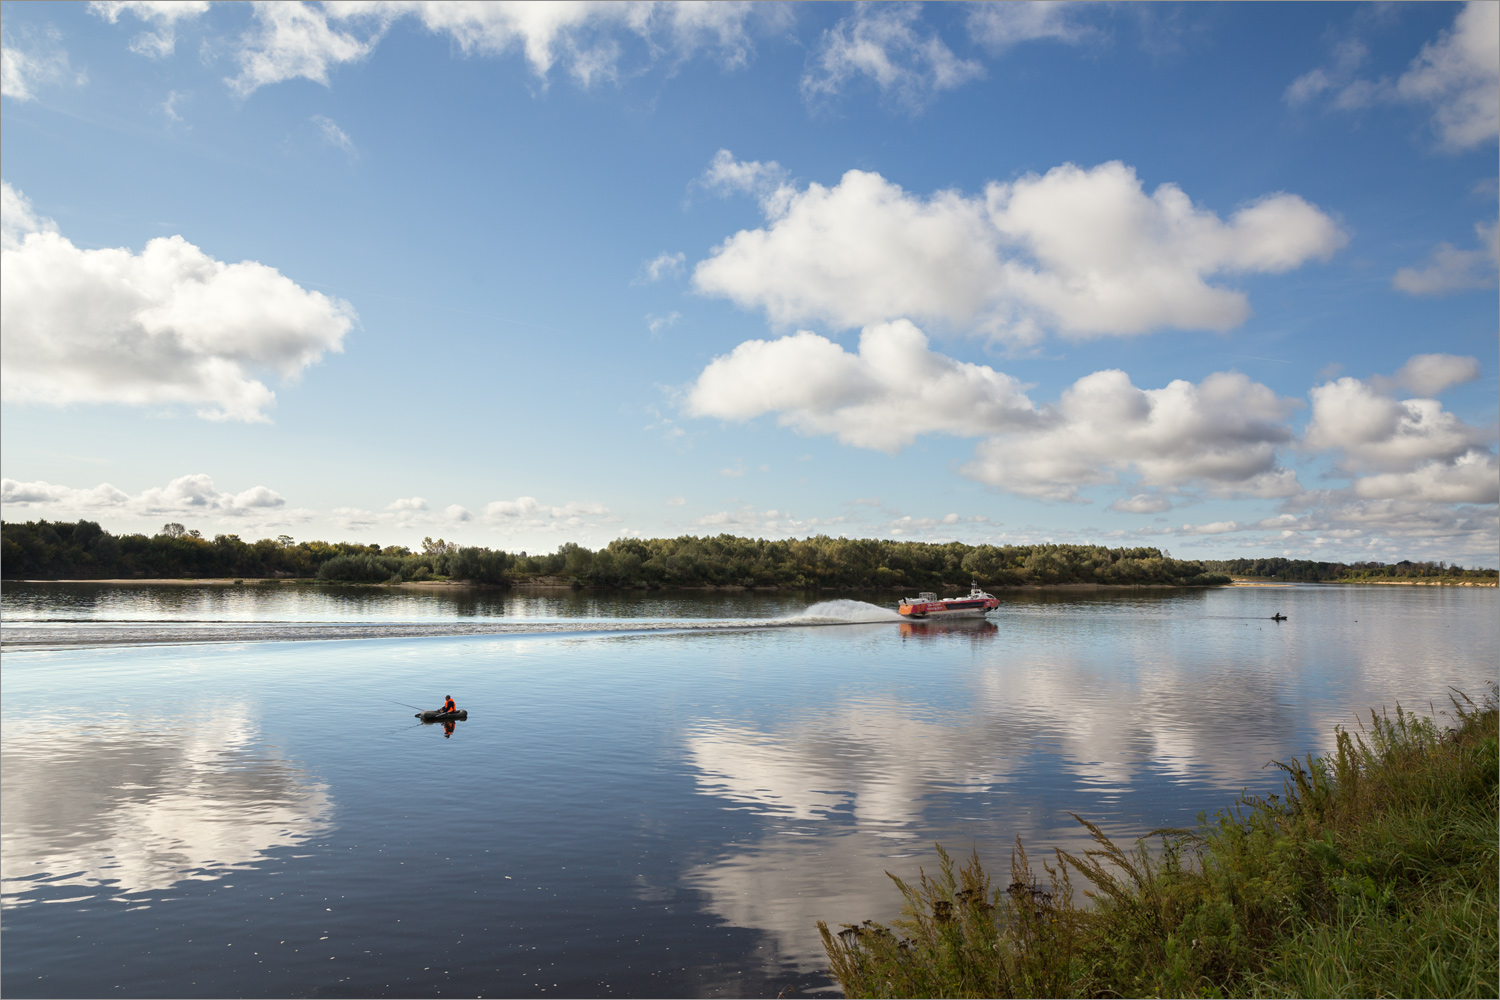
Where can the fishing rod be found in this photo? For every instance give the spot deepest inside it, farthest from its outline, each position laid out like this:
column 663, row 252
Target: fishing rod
column 393, row 701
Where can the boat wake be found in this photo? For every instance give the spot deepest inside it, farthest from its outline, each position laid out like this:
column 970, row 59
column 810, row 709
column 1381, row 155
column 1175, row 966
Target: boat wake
column 140, row 633
column 843, row 611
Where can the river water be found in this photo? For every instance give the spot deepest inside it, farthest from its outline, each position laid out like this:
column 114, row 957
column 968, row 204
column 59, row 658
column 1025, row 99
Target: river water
column 222, row 791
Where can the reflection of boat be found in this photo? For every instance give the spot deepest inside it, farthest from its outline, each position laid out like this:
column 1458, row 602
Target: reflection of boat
column 461, row 715
column 970, row 627
column 925, row 605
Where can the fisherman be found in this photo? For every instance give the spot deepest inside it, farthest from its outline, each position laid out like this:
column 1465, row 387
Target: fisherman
column 449, row 705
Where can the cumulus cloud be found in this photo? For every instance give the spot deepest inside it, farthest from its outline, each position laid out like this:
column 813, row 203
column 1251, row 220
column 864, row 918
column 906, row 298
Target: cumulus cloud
column 583, row 39
column 1450, row 269
column 1001, row 25
column 1457, row 75
column 1409, row 449
column 185, row 496
column 1083, row 251
column 168, row 325
column 529, row 512
column 1222, row 432
column 886, row 44
column 407, row 504
column 163, row 15
column 894, row 389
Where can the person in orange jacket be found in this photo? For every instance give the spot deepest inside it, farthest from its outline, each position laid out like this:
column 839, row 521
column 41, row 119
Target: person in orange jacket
column 449, row 705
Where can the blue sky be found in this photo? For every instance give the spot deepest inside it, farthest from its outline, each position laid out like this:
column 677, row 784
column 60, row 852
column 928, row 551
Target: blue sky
column 1218, row 278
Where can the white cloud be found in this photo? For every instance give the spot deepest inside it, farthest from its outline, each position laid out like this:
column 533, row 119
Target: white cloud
column 656, row 324
column 583, row 38
column 169, row 106
column 1378, row 432
column 1431, row 374
column 22, row 71
column 293, row 40
column 1086, row 252
column 1222, row 432
column 663, row 265
column 167, row 325
column 332, row 134
column 1450, row 269
column 163, row 14
column 1001, row 25
column 886, row 44
column 931, row 526
column 751, row 520
column 1459, row 75
column 529, row 512
column 884, row 397
column 458, row 514
column 726, row 175
column 407, row 504
column 1338, row 525
column 676, row 501
column 185, row 496
column 1142, row 503
column 1408, row 449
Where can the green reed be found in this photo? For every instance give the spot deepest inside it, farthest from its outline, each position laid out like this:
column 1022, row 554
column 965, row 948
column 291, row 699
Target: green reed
column 1374, row 874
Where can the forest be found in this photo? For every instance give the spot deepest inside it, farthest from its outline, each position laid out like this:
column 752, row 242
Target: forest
column 1307, row 571
column 56, row 550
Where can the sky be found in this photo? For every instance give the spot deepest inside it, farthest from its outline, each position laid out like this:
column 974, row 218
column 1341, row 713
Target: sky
column 1216, row 278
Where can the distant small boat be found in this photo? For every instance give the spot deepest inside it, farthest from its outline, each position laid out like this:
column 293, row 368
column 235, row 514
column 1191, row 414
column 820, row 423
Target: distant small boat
column 1278, row 617
column 925, row 605
column 461, row 715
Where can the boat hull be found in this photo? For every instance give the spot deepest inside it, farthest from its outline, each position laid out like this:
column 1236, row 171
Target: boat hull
column 461, row 715
column 947, row 609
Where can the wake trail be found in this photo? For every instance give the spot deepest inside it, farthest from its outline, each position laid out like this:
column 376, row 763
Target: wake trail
column 129, row 633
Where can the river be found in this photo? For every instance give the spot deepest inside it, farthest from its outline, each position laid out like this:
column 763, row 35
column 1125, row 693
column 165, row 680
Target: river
column 214, row 791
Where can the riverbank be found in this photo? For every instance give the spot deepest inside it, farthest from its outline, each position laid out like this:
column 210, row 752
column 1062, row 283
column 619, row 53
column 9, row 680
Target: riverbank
column 1375, row 874
column 553, row 583
column 1242, row 581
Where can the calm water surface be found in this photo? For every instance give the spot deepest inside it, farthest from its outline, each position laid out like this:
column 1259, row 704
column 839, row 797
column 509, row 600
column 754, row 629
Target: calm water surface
column 663, row 809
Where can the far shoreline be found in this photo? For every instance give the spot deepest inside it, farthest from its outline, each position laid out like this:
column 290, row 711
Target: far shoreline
column 560, row 584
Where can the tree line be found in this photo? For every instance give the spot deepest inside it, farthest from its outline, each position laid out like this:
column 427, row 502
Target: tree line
column 41, row 550
column 1308, row 571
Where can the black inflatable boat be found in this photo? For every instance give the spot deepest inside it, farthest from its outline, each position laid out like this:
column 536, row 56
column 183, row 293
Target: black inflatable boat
column 461, row 715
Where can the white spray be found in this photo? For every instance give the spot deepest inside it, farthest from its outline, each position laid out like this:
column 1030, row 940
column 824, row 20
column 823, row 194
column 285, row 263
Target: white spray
column 845, row 611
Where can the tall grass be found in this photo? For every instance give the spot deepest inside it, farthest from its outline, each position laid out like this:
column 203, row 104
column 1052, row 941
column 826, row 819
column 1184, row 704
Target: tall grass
column 1373, row 874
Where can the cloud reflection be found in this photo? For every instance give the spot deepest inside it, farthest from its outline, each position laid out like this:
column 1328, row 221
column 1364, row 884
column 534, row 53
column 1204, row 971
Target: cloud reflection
column 127, row 807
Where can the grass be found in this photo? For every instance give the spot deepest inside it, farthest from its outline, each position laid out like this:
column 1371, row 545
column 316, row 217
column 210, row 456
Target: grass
column 1373, row 874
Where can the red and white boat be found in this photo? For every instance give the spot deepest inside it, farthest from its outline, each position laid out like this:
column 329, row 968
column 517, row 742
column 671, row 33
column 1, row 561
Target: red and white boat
column 924, row 605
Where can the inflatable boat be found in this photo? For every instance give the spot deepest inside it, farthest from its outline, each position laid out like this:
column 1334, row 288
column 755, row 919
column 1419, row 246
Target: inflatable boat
column 460, row 716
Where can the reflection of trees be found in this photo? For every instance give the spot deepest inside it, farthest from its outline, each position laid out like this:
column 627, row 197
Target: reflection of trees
column 137, row 808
